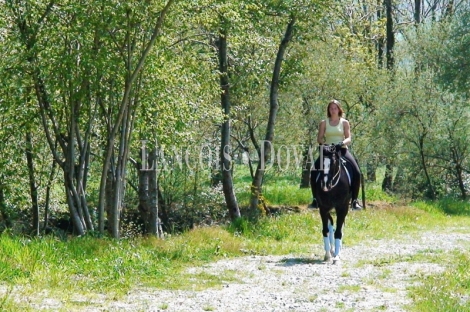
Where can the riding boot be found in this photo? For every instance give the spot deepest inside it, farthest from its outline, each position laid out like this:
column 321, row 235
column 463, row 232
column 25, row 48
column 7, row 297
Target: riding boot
column 355, row 194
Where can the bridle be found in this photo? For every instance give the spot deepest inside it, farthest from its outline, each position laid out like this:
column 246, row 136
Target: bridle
column 334, row 160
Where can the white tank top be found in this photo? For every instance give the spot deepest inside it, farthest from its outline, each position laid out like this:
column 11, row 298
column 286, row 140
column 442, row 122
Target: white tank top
column 334, row 134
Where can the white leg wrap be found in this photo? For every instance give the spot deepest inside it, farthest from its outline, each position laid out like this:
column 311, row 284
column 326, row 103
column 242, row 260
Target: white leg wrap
column 326, row 242
column 338, row 245
column 331, row 233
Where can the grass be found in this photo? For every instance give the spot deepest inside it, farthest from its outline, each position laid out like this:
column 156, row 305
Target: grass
column 449, row 291
column 84, row 266
column 349, row 288
column 282, row 188
column 81, row 270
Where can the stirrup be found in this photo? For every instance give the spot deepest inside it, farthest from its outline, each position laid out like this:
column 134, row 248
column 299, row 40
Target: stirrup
column 355, row 205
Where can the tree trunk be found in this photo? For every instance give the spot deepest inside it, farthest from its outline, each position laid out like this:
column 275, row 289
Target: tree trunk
column 387, row 183
column 371, row 169
column 74, row 174
column 148, row 192
column 457, row 157
column 425, row 168
column 399, row 179
column 162, row 211
column 52, row 130
column 307, row 154
column 109, row 191
column 390, row 35
column 125, row 107
column 417, row 12
column 48, row 194
column 116, row 201
column 461, row 181
column 75, row 212
column 449, row 9
column 264, row 152
column 307, row 163
column 154, row 221
column 32, row 184
column 143, row 189
column 380, row 44
column 3, row 207
column 225, row 150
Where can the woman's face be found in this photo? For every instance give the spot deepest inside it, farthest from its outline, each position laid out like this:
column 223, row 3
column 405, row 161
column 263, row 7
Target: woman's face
column 333, row 109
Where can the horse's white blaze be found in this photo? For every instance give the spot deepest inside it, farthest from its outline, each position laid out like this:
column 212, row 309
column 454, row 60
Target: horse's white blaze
column 326, row 170
column 326, row 165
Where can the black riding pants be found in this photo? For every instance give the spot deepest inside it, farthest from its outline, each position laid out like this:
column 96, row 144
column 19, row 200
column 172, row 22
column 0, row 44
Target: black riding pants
column 355, row 179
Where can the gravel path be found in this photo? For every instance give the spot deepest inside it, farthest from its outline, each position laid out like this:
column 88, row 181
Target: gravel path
column 370, row 277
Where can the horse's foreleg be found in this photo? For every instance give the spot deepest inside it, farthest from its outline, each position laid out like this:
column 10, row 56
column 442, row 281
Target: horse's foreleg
column 331, row 235
column 341, row 217
column 326, row 230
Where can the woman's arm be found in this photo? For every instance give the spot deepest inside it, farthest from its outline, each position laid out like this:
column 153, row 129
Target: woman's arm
column 321, row 133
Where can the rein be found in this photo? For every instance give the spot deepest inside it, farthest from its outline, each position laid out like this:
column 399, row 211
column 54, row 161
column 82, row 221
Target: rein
column 337, row 176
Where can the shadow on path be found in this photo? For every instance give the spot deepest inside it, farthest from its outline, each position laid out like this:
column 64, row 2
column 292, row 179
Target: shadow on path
column 287, row 262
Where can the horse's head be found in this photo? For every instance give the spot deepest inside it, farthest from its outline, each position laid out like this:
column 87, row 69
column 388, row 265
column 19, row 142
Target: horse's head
column 330, row 156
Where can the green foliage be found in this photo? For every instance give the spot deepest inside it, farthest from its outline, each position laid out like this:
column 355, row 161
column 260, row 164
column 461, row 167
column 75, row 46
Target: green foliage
column 84, row 52
column 279, row 187
column 453, row 64
column 287, row 193
column 447, row 206
column 282, row 188
column 376, row 193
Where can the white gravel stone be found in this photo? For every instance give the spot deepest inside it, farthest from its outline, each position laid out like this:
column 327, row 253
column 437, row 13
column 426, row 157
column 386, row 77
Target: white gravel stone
column 306, row 283
column 373, row 276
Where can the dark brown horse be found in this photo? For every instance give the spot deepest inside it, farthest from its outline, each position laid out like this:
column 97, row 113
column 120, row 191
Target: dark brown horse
column 333, row 191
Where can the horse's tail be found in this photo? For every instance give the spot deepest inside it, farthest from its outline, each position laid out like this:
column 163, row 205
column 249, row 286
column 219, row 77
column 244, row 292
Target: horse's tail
column 361, row 177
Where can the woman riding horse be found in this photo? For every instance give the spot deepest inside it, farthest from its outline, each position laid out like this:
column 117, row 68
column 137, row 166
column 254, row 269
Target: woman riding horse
column 336, row 130
column 334, row 181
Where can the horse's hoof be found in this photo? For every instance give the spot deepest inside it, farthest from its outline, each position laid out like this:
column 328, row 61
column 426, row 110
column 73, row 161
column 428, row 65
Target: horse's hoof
column 327, row 257
column 336, row 260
